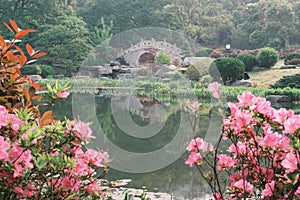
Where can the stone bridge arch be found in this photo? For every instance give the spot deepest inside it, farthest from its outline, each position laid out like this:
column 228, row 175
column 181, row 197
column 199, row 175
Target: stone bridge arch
column 137, row 54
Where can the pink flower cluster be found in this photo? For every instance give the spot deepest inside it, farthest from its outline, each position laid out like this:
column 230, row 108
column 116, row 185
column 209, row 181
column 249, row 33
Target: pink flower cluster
column 264, row 152
column 56, row 154
column 9, row 119
column 214, row 89
column 196, row 147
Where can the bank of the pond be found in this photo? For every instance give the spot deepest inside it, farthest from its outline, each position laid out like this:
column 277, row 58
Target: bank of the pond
column 172, row 91
column 119, row 194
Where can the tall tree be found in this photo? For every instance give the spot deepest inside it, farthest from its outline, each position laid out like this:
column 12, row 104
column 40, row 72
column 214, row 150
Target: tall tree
column 207, row 22
column 66, row 41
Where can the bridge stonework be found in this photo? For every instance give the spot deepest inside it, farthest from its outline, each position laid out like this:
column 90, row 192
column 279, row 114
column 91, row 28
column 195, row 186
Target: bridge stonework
column 132, row 55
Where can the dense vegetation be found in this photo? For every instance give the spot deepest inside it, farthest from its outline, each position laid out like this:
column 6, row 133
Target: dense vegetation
column 70, row 29
column 227, row 70
column 163, row 91
column 288, row 81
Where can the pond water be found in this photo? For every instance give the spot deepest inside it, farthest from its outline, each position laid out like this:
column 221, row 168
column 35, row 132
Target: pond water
column 146, row 139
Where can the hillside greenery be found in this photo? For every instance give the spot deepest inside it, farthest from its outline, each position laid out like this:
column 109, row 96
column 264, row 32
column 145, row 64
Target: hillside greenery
column 70, row 29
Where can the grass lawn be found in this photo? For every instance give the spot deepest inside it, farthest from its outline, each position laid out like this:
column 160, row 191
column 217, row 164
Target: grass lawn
column 265, row 78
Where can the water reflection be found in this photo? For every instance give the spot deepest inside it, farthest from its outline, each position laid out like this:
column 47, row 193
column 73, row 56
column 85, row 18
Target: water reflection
column 165, row 122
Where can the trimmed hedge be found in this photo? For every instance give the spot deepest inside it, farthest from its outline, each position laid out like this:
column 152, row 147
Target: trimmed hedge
column 228, row 69
column 292, row 81
column 290, row 57
column 249, row 61
column 267, row 57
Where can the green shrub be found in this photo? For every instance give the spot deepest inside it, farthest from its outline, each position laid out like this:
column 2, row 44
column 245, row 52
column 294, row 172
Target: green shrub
column 249, row 61
column 290, row 57
column 122, row 61
column 29, row 70
column 192, row 73
column 292, row 81
column 204, row 52
column 228, row 69
column 163, row 58
column 42, row 70
column 47, row 71
column 267, row 57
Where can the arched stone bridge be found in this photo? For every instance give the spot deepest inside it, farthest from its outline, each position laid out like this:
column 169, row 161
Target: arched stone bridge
column 145, row 51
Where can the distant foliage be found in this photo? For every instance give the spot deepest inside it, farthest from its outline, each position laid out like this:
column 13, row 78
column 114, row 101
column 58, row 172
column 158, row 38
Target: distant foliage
column 204, row 52
column 294, row 61
column 290, row 57
column 66, row 41
column 217, row 53
column 42, row 70
column 249, row 61
column 227, row 69
column 122, row 61
column 292, row 81
column 193, row 74
column 163, row 58
column 267, row 57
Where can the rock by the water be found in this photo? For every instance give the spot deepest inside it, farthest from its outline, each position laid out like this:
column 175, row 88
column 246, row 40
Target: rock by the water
column 278, row 98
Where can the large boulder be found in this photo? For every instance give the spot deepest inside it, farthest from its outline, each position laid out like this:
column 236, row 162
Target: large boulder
column 244, row 83
column 278, row 98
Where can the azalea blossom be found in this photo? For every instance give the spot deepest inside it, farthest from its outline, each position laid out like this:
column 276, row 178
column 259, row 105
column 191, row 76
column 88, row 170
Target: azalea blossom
column 3, row 116
column 84, row 132
column 269, row 188
column 15, row 122
column 290, row 162
column 214, row 89
column 62, row 94
column 198, row 144
column 225, row 162
column 194, row 158
column 292, row 124
column 4, row 146
column 241, row 187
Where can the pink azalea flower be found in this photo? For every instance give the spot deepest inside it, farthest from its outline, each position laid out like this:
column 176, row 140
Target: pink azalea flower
column 97, row 158
column 271, row 140
column 194, row 106
column 198, row 144
column 214, row 89
column 84, row 131
column 233, row 109
column 243, row 186
column 4, row 146
column 218, row 196
column 63, row 94
column 238, row 149
column 82, row 167
column 195, row 144
column 282, row 115
column 22, row 163
column 15, row 122
column 225, row 162
column 15, row 153
column 246, row 99
column 28, row 191
column 93, row 188
column 3, row 116
column 298, row 191
column 292, row 124
column 70, row 184
column 264, row 107
column 290, row 162
column 194, row 158
column 269, row 188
